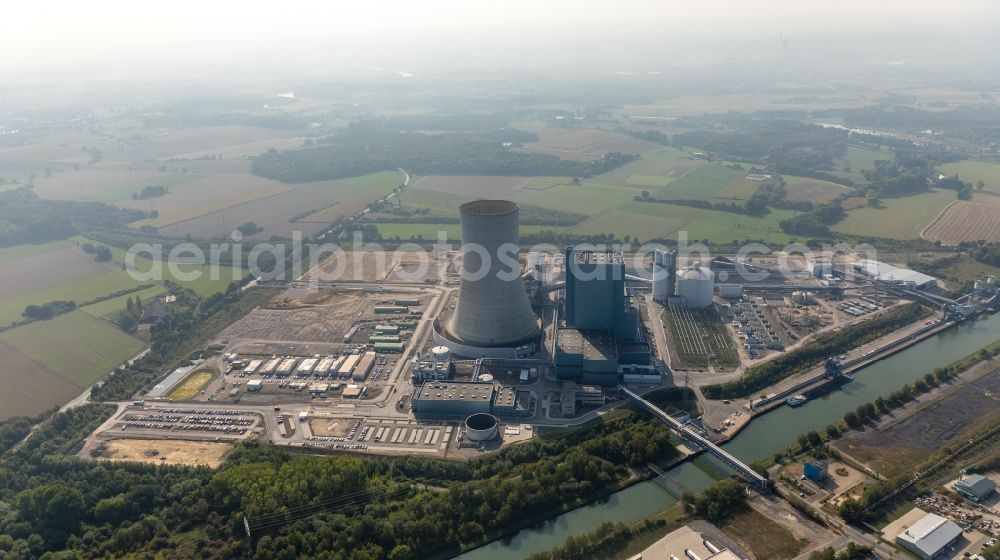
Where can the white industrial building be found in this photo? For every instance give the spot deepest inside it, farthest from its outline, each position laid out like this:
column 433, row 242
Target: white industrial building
column 884, row 272
column 929, row 536
column 695, row 286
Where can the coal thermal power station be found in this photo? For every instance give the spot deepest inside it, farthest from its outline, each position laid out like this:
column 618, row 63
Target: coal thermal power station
column 493, row 317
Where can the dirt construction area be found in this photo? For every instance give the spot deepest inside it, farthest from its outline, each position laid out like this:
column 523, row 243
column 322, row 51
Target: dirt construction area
column 894, row 444
column 332, row 427
column 304, row 317
column 164, row 452
column 376, row 266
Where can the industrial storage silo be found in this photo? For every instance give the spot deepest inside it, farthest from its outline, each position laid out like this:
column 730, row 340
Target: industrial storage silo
column 493, row 309
column 695, row 285
column 661, row 283
column 538, row 266
column 440, row 354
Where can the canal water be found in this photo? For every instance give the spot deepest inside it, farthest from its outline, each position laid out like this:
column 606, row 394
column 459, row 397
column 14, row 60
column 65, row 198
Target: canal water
column 763, row 437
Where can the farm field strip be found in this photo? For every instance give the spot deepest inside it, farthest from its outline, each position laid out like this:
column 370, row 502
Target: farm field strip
column 108, row 307
column 585, row 198
column 116, row 279
column 17, row 252
column 204, row 196
column 972, row 171
column 705, row 182
column 76, row 346
column 272, row 213
column 341, row 209
column 52, row 268
column 105, row 184
column 811, row 190
column 453, row 232
column 966, row 221
column 85, row 289
column 338, row 190
column 898, row 218
column 30, row 388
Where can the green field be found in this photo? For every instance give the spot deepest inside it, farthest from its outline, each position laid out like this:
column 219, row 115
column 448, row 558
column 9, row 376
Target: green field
column 897, row 218
column 667, row 162
column 76, row 346
column 9, row 254
column 585, row 198
column 542, row 183
column 124, row 193
column 439, row 204
column 79, row 291
column 858, row 159
column 94, row 287
column 646, row 220
column 648, row 180
column 429, row 231
column 704, row 182
column 192, row 384
column 972, row 171
column 111, row 306
column 204, row 285
column 812, row 190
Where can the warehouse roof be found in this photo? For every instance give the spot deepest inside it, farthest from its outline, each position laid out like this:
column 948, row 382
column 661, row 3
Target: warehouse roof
column 454, row 391
column 977, row 485
column 931, row 534
column 889, row 273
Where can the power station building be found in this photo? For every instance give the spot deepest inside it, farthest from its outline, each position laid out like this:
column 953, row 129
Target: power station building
column 599, row 329
column 493, row 317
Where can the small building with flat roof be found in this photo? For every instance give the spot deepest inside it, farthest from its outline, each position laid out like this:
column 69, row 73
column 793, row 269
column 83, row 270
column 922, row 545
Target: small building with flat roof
column 505, row 401
column 976, row 487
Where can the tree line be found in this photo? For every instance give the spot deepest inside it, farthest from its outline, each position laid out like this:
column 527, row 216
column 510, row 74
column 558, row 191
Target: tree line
column 359, row 152
column 26, row 218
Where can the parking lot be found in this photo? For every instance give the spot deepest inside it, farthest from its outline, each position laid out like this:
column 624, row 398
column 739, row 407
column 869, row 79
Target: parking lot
column 227, row 422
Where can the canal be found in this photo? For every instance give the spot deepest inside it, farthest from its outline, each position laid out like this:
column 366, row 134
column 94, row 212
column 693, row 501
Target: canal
column 763, row 437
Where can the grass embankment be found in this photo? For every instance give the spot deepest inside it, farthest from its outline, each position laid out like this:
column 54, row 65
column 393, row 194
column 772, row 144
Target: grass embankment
column 192, row 384
column 832, row 344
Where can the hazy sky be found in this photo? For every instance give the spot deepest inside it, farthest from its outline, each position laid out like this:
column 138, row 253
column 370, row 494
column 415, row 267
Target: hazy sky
column 71, row 32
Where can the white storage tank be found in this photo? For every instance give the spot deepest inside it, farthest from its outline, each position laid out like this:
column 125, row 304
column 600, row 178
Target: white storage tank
column 695, row 285
column 991, row 282
column 481, row 426
column 661, row 283
column 440, row 354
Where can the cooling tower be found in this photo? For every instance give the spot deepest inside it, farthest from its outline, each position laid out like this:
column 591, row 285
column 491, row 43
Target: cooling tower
column 493, row 308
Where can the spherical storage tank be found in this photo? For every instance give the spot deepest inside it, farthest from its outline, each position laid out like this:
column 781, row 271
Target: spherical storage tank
column 481, row 427
column 695, row 285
